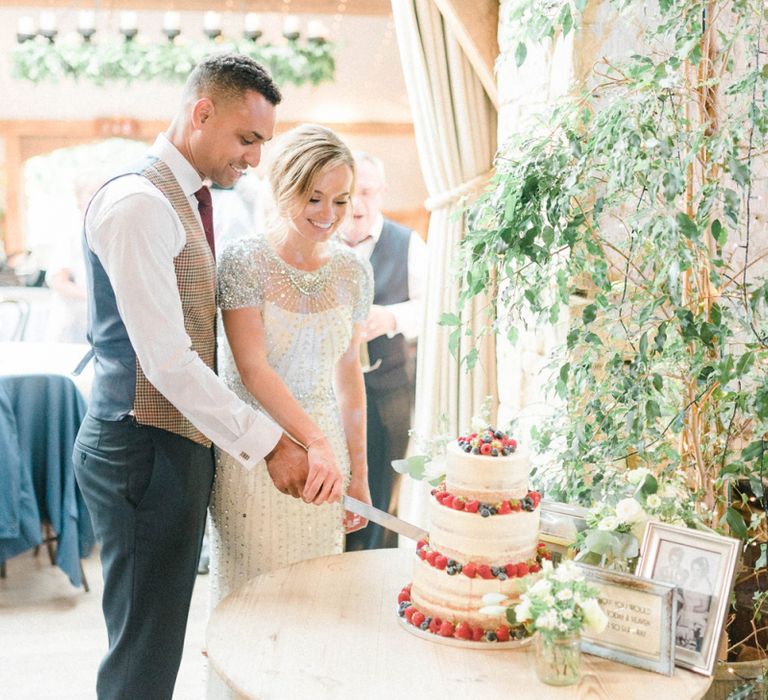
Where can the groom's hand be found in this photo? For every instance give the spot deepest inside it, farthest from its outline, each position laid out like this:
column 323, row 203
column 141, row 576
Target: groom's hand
column 288, row 467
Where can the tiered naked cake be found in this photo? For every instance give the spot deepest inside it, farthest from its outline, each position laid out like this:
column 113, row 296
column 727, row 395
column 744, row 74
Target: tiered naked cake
column 484, row 526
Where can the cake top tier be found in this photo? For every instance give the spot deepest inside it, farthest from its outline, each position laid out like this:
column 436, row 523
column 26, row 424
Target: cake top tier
column 488, row 442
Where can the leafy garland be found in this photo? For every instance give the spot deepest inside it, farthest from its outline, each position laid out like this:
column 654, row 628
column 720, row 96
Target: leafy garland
column 130, row 61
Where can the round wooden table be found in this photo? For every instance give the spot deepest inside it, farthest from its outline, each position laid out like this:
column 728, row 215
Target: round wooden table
column 328, row 628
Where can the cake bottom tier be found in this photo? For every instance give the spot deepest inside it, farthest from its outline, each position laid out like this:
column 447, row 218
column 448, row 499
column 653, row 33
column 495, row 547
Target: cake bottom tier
column 459, row 598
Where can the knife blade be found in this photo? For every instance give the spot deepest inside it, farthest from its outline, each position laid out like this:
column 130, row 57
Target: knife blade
column 387, row 520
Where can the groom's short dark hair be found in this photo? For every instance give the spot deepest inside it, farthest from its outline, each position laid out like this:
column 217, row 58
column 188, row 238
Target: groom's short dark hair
column 230, row 76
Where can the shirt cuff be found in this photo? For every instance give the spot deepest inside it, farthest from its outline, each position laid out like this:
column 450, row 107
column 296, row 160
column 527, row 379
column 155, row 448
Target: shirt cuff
column 257, row 443
column 405, row 322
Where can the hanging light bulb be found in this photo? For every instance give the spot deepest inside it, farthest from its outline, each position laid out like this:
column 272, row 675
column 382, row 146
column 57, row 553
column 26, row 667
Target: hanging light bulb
column 171, row 25
column 129, row 26
column 48, row 25
column 291, row 28
column 212, row 25
column 86, row 24
column 25, row 29
column 252, row 26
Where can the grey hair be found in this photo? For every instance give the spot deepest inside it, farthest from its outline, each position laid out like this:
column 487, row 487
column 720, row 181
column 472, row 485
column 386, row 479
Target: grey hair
column 376, row 162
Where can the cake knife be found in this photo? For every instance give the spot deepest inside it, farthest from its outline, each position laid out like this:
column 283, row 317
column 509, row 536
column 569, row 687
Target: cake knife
column 380, row 517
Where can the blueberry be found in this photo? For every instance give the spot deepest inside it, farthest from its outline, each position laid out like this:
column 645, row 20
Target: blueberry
column 495, row 570
column 425, row 625
column 490, row 635
column 475, row 450
column 485, row 512
column 502, row 576
column 451, row 570
column 505, row 451
column 467, row 448
column 493, row 510
column 527, row 504
column 403, row 607
column 494, row 452
column 487, row 439
column 498, row 435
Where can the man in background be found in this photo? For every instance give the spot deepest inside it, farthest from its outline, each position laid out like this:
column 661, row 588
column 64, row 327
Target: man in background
column 398, row 258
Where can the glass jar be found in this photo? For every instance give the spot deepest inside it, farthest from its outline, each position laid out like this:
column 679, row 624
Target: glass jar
column 558, row 658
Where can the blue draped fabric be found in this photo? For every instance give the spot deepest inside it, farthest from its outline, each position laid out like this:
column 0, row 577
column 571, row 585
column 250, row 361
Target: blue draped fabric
column 39, row 419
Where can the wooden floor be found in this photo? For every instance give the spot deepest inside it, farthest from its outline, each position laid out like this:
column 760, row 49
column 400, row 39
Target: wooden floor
column 52, row 635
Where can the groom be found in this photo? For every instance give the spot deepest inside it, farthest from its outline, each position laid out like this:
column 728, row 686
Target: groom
column 143, row 456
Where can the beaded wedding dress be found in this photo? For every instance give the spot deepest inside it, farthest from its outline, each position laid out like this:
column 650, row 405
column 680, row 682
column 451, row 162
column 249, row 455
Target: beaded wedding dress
column 308, row 319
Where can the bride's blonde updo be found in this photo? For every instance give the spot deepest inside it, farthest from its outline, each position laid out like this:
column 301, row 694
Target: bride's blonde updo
column 301, row 155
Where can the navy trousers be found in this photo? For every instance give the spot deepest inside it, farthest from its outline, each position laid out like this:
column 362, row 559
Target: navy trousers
column 389, row 420
column 147, row 491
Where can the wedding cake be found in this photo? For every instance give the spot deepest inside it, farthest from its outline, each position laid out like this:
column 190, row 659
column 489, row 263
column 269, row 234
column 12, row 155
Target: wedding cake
column 483, row 538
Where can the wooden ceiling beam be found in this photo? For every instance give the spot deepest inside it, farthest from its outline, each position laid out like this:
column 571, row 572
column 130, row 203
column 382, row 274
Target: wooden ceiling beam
column 475, row 25
column 308, row 7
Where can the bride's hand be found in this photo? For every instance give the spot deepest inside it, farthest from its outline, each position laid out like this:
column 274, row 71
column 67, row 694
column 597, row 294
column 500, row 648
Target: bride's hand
column 324, row 482
column 359, row 489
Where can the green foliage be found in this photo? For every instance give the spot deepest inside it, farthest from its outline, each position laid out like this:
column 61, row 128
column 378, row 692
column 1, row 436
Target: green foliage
column 635, row 208
column 129, row 61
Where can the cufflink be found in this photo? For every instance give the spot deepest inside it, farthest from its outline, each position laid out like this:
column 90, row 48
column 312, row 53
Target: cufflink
column 245, row 456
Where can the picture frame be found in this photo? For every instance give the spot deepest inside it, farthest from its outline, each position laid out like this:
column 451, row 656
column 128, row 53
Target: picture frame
column 559, row 527
column 641, row 620
column 702, row 566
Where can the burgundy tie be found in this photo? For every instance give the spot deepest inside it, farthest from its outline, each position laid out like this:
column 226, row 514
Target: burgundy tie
column 205, row 207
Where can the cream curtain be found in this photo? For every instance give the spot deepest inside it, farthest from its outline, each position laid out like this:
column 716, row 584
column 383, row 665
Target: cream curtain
column 455, row 128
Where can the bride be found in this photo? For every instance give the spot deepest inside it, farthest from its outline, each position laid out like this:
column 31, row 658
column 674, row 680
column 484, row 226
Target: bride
column 293, row 305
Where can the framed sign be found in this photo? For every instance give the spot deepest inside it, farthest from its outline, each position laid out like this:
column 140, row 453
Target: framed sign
column 641, row 620
column 702, row 566
column 559, row 527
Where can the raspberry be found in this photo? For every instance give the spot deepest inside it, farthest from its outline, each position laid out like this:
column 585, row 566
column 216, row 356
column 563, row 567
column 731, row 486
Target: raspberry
column 502, row 634
column 441, row 562
column 534, row 568
column 458, row 503
column 447, row 501
column 463, row 631
column 421, row 544
column 484, row 571
column 512, row 443
column 522, row 570
column 446, row 629
column 408, row 614
column 485, row 448
column 431, row 556
column 417, row 618
column 472, row 506
column 477, row 633
column 511, row 570
column 404, row 596
column 434, row 626
column 505, row 508
column 422, row 554
column 469, row 570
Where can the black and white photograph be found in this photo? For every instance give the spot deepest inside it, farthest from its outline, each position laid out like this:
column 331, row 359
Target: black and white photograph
column 702, row 566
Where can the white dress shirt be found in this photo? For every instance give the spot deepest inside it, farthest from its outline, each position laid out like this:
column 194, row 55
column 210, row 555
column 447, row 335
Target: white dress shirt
column 407, row 313
column 136, row 234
